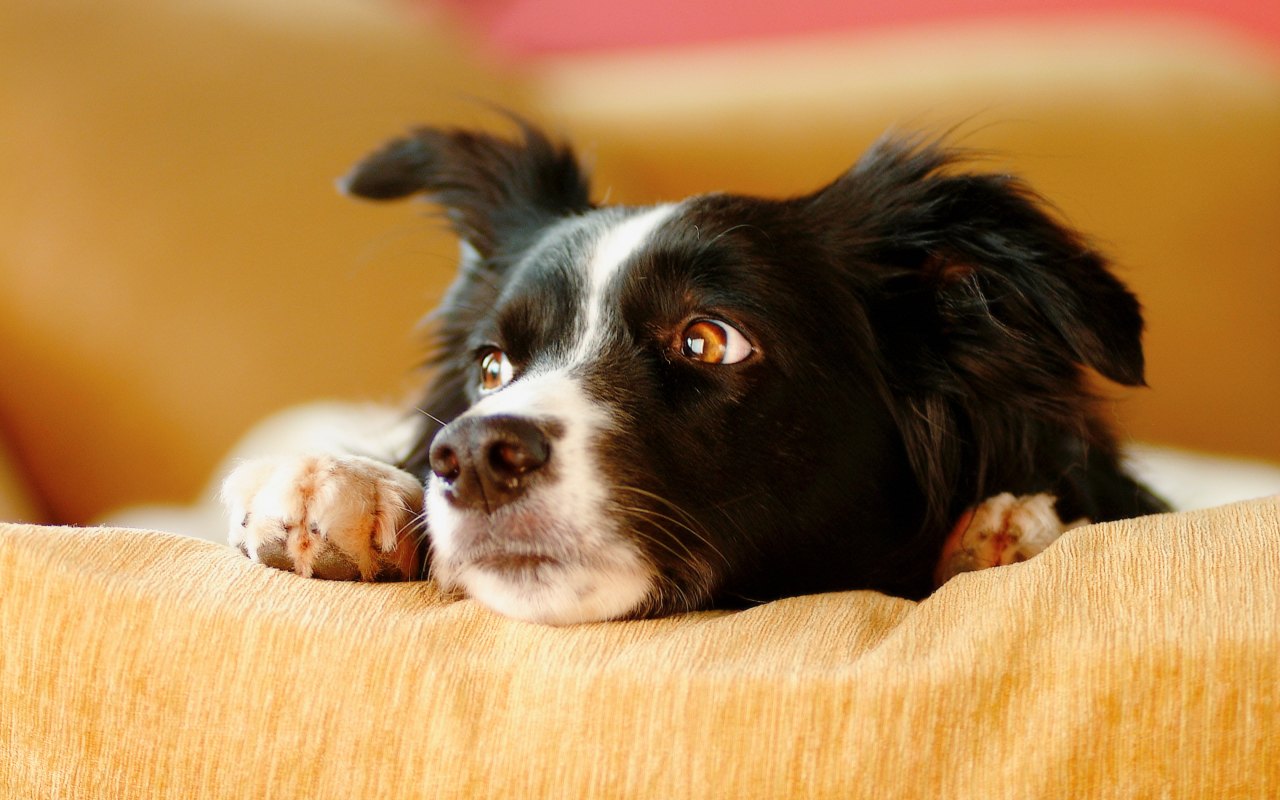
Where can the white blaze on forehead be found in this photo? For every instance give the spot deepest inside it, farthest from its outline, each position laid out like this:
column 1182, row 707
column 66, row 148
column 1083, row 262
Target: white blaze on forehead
column 611, row 252
column 602, row 573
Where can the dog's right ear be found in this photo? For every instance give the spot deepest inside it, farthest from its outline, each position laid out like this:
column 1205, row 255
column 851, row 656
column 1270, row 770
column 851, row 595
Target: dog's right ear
column 497, row 193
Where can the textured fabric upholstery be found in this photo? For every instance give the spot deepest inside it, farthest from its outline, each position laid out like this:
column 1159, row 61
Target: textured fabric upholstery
column 1134, row 659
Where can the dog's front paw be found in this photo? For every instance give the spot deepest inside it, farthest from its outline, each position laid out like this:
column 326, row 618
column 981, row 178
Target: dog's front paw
column 1001, row 530
column 335, row 517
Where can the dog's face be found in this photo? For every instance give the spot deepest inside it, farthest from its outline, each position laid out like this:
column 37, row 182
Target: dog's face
column 645, row 410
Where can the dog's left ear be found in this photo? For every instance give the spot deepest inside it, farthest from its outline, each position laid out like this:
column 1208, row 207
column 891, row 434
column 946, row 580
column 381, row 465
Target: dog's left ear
column 971, row 268
column 496, row 192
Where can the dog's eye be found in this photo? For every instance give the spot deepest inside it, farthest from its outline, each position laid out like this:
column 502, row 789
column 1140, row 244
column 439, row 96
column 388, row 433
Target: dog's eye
column 495, row 369
column 714, row 342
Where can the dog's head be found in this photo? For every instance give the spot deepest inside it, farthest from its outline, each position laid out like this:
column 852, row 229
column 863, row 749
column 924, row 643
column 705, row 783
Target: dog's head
column 725, row 399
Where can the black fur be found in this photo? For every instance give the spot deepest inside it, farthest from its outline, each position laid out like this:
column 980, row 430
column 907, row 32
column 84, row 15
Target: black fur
column 923, row 334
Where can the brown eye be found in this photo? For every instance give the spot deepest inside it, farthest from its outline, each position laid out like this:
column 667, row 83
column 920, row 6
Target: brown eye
column 713, row 342
column 495, row 370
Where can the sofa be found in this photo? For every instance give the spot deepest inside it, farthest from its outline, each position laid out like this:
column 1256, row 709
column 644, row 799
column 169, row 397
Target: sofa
column 1134, row 659
column 175, row 266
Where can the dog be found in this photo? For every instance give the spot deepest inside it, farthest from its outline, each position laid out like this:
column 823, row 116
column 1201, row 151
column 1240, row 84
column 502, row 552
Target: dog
column 726, row 400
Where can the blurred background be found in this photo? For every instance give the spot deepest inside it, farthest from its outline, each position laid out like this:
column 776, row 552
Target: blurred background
column 175, row 263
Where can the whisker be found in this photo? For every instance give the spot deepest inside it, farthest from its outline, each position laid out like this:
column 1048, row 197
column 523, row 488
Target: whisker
column 667, row 589
column 430, row 416
column 415, row 530
column 726, row 232
column 723, row 504
column 686, row 520
column 640, row 512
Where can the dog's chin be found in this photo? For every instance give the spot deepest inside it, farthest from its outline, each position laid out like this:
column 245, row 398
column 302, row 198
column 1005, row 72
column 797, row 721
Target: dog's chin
column 551, row 573
column 553, row 593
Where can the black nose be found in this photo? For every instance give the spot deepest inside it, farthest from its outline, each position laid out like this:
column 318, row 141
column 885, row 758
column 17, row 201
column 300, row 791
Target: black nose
column 486, row 462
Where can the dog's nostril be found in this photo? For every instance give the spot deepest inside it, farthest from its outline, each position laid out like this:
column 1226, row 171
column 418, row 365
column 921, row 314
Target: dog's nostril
column 444, row 462
column 513, row 459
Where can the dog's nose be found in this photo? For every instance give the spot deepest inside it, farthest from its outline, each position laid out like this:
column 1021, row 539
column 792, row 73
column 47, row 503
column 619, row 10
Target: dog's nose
column 486, row 462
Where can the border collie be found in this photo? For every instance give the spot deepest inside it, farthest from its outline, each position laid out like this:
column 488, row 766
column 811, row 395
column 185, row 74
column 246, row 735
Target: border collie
column 728, row 399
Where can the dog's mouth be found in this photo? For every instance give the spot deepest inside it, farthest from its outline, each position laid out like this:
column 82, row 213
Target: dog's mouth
column 513, row 564
column 518, row 542
column 539, row 570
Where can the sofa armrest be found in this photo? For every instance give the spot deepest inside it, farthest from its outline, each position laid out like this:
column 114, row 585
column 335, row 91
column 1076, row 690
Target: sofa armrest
column 1130, row 659
column 17, row 503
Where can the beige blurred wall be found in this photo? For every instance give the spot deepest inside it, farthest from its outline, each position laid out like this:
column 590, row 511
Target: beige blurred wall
column 174, row 260
column 175, row 264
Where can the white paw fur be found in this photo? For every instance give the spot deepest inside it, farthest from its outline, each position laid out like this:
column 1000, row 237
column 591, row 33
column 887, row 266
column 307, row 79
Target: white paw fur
column 327, row 516
column 1001, row 530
